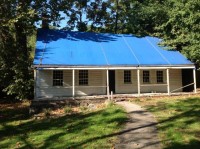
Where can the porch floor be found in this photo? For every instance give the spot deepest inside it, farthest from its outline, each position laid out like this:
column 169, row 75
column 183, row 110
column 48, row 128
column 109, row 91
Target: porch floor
column 122, row 96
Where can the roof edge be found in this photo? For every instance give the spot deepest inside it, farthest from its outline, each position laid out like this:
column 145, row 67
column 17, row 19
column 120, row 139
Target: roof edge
column 187, row 66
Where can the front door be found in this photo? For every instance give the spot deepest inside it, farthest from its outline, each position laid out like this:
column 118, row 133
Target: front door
column 112, row 80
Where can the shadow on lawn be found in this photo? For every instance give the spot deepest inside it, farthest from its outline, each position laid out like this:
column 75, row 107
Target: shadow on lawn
column 69, row 124
column 73, row 124
column 193, row 144
column 184, row 114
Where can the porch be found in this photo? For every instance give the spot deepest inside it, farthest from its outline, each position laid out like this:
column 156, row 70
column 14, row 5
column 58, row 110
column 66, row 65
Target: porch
column 137, row 81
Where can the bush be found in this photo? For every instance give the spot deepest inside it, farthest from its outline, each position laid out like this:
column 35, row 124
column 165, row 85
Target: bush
column 83, row 108
column 47, row 112
column 68, row 109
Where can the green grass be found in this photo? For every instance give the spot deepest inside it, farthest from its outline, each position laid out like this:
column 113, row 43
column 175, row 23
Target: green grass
column 83, row 130
column 178, row 120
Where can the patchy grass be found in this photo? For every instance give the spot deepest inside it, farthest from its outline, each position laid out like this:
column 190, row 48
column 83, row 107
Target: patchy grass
column 95, row 129
column 178, row 120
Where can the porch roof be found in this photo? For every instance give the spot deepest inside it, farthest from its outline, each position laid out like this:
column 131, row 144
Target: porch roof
column 72, row 49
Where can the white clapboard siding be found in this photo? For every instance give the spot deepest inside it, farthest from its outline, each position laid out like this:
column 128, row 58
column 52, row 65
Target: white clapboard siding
column 96, row 83
column 121, row 87
column 153, row 80
column 45, row 88
column 175, row 79
column 174, row 76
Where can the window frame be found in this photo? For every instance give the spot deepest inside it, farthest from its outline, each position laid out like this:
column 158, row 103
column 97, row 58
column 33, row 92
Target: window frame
column 145, row 77
column 57, row 78
column 127, row 77
column 83, row 78
column 158, row 76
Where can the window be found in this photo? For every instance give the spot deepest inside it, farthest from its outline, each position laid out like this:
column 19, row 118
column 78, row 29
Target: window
column 159, row 75
column 146, row 76
column 127, row 76
column 83, row 77
column 57, row 78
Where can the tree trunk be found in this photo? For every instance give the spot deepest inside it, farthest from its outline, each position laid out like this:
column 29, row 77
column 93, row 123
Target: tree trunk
column 116, row 18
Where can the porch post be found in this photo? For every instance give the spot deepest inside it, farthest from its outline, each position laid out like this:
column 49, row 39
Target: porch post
column 194, row 78
column 73, row 83
column 138, row 81
column 107, row 78
column 168, row 85
column 35, row 82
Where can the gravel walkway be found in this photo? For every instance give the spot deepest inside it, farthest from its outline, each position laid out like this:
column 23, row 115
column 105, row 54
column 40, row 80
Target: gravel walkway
column 140, row 131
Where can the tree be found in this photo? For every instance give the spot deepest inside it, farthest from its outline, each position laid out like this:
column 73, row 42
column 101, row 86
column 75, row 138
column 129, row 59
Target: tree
column 174, row 21
column 181, row 31
column 75, row 13
column 119, row 15
column 15, row 25
column 97, row 15
column 18, row 18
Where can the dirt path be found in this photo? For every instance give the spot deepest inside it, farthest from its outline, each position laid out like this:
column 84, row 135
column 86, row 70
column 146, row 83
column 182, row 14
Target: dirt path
column 140, row 131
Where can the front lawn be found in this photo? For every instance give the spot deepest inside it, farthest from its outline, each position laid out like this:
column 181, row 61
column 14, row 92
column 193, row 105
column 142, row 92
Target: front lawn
column 178, row 120
column 95, row 129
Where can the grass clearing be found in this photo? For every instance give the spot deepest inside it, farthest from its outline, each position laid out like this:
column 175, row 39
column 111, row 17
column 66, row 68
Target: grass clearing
column 81, row 130
column 178, row 120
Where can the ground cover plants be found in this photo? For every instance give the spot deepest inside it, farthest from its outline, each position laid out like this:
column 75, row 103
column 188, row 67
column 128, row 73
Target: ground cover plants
column 178, row 120
column 84, row 129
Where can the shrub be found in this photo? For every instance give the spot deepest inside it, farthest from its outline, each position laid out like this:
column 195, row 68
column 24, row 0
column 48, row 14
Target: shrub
column 47, row 112
column 68, row 109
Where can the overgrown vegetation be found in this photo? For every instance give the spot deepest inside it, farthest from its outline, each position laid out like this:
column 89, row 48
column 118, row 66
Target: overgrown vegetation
column 88, row 130
column 178, row 120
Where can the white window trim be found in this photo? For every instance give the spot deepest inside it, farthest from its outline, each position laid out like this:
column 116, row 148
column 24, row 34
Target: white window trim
column 60, row 85
column 148, row 76
column 82, row 79
column 128, row 82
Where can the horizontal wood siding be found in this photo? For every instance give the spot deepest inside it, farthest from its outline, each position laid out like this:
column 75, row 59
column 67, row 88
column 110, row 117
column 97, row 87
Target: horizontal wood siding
column 125, row 88
column 153, row 80
column 45, row 88
column 96, row 83
column 174, row 77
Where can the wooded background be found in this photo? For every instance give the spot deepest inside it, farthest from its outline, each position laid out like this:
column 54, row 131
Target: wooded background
column 177, row 22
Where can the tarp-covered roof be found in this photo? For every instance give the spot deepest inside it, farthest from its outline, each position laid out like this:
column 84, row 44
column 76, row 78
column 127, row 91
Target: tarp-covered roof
column 67, row 48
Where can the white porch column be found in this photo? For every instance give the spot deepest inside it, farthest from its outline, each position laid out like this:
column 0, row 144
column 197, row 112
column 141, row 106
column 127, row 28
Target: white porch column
column 73, row 83
column 138, row 81
column 35, row 83
column 107, row 78
column 168, row 85
column 194, row 78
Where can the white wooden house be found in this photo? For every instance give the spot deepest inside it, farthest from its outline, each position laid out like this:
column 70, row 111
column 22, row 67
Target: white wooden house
column 69, row 64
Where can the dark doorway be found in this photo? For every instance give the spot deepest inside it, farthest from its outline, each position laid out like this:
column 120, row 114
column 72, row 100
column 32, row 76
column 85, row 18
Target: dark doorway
column 198, row 78
column 187, row 78
column 112, row 80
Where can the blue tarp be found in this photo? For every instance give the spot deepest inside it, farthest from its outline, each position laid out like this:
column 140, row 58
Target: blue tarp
column 66, row 48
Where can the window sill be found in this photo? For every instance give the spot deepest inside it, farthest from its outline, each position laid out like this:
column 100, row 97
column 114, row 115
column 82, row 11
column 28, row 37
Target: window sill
column 127, row 83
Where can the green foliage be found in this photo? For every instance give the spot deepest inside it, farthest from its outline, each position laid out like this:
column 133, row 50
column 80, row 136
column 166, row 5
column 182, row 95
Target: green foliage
column 67, row 109
column 83, row 108
column 174, row 21
column 47, row 112
column 181, row 30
